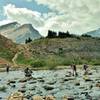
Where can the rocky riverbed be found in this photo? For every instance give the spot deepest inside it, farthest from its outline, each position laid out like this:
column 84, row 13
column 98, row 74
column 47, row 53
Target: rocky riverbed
column 58, row 83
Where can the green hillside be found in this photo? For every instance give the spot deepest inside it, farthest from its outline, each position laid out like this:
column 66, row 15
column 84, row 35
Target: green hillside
column 7, row 48
column 65, row 51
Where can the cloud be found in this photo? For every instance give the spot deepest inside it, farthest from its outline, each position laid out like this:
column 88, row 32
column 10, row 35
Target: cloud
column 23, row 15
column 70, row 5
column 29, row 0
column 3, row 22
column 77, row 16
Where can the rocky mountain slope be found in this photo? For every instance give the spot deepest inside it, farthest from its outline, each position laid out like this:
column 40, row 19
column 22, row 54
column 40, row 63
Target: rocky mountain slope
column 8, row 28
column 19, row 33
column 23, row 32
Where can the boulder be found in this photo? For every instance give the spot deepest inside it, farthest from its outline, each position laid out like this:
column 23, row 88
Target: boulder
column 67, row 98
column 28, row 97
column 50, row 98
column 0, row 98
column 37, row 98
column 87, row 79
column 25, row 79
column 48, row 87
column 77, row 83
column 16, row 96
column 23, row 86
column 11, row 82
column 32, row 82
column 13, row 86
column 22, row 90
column 41, row 80
column 51, row 82
column 68, row 75
column 69, row 79
column 98, row 85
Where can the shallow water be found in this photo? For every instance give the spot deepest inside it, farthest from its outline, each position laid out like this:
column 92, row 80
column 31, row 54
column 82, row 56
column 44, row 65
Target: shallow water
column 55, row 79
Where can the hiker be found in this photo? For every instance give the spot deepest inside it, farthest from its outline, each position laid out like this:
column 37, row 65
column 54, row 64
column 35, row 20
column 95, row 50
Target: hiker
column 74, row 69
column 7, row 68
column 28, row 72
column 85, row 67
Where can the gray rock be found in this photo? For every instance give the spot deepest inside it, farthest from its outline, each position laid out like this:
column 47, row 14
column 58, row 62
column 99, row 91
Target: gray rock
column 48, row 87
column 22, row 90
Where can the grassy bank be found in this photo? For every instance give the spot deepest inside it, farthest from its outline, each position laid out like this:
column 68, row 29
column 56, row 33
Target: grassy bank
column 52, row 61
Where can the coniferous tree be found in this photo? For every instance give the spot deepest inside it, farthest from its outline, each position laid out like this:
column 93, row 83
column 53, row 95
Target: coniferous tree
column 51, row 34
column 28, row 40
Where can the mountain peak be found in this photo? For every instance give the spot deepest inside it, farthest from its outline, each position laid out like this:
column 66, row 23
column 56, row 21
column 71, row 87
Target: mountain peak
column 94, row 33
column 27, row 26
column 19, row 33
column 9, row 24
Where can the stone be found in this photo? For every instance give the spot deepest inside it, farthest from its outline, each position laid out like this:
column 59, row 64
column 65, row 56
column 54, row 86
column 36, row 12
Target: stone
column 23, row 86
column 11, row 82
column 69, row 79
column 32, row 88
column 77, row 83
column 41, row 80
column 23, row 80
column 51, row 83
column 90, row 73
column 13, row 86
column 70, row 98
column 67, row 75
column 87, row 79
column 67, row 98
column 50, row 98
column 37, row 98
column 28, row 97
column 32, row 82
column 48, row 87
column 16, row 96
column 22, row 90
column 98, row 85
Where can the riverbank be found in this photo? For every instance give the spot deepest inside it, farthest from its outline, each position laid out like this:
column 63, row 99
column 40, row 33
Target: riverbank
column 16, row 68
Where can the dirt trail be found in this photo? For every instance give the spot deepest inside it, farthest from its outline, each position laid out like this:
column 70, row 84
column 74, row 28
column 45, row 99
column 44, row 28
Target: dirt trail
column 14, row 58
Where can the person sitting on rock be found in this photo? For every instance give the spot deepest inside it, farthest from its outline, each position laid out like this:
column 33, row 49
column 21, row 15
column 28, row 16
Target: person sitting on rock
column 85, row 67
column 28, row 72
column 74, row 69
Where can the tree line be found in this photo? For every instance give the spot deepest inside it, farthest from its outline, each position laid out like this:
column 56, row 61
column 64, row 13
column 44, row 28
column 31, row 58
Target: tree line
column 53, row 34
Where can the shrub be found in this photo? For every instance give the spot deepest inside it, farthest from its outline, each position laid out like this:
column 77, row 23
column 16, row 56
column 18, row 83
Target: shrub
column 51, row 62
column 86, row 35
column 21, row 59
column 38, row 63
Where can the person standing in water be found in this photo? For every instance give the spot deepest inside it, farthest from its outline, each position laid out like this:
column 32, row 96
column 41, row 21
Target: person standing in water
column 7, row 68
column 85, row 67
column 74, row 69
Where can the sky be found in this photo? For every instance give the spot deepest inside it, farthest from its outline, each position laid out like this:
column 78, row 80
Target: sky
column 77, row 16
